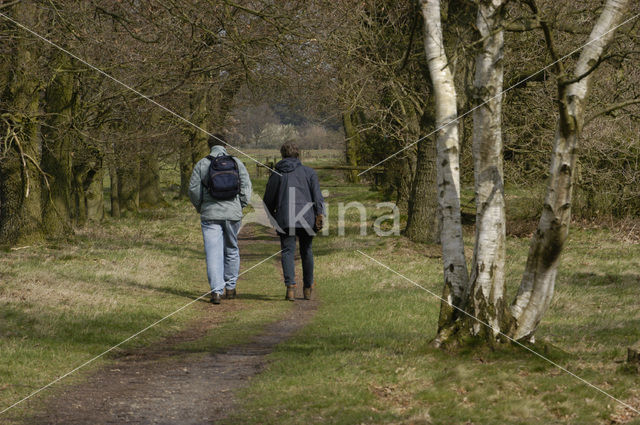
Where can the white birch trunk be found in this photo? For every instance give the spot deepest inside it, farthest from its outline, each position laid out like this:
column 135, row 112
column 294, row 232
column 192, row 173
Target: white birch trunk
column 487, row 273
column 456, row 277
column 538, row 280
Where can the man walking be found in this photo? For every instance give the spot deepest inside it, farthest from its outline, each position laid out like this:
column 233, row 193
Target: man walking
column 219, row 188
column 294, row 200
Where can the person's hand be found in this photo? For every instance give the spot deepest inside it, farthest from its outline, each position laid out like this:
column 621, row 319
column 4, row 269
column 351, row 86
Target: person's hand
column 319, row 222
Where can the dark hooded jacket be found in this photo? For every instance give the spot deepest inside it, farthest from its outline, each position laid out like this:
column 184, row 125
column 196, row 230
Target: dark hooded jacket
column 293, row 197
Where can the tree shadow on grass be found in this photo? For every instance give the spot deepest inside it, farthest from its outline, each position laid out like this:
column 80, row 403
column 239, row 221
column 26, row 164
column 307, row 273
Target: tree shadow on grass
column 607, row 333
column 164, row 247
column 52, row 329
column 623, row 280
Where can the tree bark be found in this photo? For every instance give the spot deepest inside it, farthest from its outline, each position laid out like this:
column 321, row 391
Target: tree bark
column 456, row 278
column 538, row 281
column 487, row 272
column 224, row 102
column 352, row 142
column 185, row 163
column 128, row 173
column 633, row 356
column 20, row 176
column 150, row 194
column 88, row 187
column 196, row 147
column 459, row 34
column 422, row 221
column 405, row 173
column 94, row 195
column 200, row 114
column 114, row 187
column 56, row 149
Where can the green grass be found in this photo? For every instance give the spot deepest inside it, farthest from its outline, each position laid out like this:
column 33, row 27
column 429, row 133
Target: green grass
column 366, row 357
column 66, row 301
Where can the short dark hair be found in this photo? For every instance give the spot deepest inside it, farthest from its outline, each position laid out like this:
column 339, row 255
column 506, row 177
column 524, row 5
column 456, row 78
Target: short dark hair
column 217, row 140
column 289, row 150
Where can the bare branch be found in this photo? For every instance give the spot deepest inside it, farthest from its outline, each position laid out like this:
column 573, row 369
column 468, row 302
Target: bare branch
column 611, row 108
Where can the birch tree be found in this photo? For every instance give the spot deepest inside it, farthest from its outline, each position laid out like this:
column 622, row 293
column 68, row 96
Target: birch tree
column 482, row 295
column 487, row 270
column 456, row 280
column 538, row 281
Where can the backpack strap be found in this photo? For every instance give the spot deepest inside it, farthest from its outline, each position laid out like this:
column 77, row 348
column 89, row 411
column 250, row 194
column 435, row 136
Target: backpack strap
column 206, row 176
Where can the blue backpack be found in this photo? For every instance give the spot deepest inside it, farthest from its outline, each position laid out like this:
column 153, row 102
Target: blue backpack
column 223, row 179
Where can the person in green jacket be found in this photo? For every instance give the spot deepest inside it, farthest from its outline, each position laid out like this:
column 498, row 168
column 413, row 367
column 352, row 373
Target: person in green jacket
column 220, row 220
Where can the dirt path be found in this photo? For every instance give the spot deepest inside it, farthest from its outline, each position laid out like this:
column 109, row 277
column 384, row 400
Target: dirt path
column 162, row 385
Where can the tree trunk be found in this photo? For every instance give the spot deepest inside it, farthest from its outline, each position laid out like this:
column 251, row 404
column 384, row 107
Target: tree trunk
column 633, row 356
column 79, row 198
column 352, row 142
column 150, row 194
column 20, row 177
column 224, row 102
column 128, row 173
column 456, row 278
column 459, row 34
column 538, row 281
column 56, row 149
column 422, row 221
column 405, row 173
column 94, row 195
column 200, row 114
column 88, row 188
column 196, row 147
column 186, row 166
column 487, row 273
column 114, row 189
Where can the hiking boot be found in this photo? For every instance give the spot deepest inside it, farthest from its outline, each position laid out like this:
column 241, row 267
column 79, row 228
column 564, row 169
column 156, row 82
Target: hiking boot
column 307, row 293
column 215, row 298
column 291, row 293
column 230, row 293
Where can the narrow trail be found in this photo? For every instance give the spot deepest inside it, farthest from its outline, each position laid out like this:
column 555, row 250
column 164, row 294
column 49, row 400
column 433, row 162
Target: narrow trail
column 163, row 385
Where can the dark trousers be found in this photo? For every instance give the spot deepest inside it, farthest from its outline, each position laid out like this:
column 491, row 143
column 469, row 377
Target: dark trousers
column 288, row 245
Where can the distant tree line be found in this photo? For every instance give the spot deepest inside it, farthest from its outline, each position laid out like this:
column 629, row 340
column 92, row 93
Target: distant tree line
column 322, row 67
column 65, row 126
column 266, row 127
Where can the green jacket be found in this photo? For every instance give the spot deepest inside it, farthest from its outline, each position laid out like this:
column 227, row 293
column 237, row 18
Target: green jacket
column 214, row 209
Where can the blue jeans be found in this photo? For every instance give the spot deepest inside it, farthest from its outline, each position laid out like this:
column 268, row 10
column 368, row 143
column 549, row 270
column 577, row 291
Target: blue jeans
column 288, row 245
column 223, row 256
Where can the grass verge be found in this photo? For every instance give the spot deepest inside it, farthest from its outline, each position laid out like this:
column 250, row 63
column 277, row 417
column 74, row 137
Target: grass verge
column 367, row 357
column 66, row 301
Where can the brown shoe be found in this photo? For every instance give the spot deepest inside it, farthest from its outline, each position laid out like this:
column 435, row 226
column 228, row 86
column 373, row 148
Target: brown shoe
column 291, row 293
column 307, row 293
column 215, row 298
column 230, row 293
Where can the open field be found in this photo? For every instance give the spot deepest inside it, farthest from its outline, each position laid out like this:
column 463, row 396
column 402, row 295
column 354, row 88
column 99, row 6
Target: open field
column 366, row 357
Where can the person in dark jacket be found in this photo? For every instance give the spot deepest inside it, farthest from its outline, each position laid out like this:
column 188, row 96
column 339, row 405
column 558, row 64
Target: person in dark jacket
column 296, row 206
